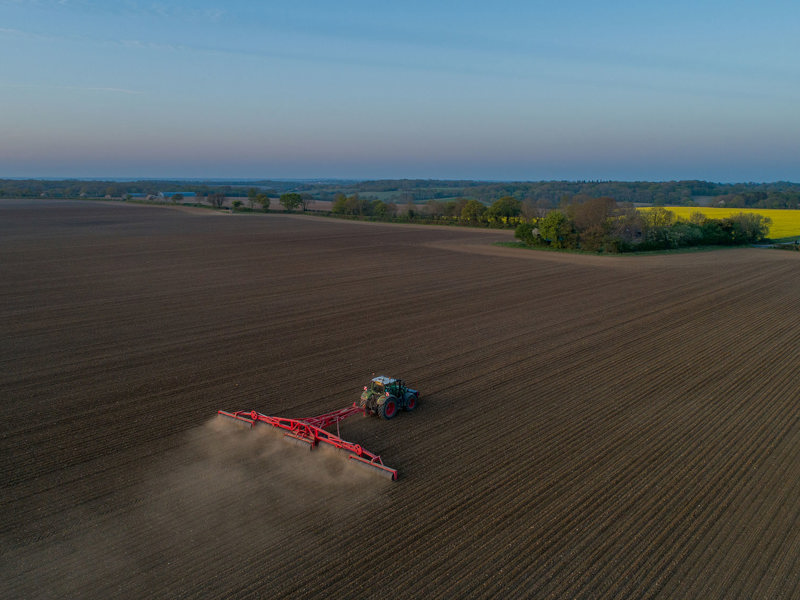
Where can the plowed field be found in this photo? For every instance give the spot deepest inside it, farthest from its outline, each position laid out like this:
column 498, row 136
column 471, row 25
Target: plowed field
column 590, row 427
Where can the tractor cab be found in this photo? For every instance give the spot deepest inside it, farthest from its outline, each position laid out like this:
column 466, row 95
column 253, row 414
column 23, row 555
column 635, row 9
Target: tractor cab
column 382, row 384
column 384, row 396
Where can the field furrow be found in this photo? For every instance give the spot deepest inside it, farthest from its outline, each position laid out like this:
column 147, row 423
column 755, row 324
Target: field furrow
column 590, row 427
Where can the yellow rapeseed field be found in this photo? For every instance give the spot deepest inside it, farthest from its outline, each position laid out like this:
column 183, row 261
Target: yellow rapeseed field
column 785, row 223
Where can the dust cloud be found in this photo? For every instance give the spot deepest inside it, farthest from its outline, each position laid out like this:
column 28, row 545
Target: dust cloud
column 227, row 499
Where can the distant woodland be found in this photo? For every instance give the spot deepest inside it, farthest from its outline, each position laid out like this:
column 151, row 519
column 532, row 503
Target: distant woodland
column 404, row 192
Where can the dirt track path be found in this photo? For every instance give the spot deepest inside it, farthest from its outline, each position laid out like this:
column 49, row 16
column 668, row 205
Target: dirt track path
column 590, row 427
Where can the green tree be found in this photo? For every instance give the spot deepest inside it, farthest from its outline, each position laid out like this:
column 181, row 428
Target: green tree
column 252, row 196
column 339, row 205
column 263, row 199
column 356, row 205
column 507, row 206
column 558, row 230
column 713, row 232
column 352, row 205
column 453, row 208
column 656, row 224
column 472, row 212
column 528, row 233
column 290, row 200
column 380, row 209
column 685, row 233
column 593, row 238
column 746, row 228
column 411, row 210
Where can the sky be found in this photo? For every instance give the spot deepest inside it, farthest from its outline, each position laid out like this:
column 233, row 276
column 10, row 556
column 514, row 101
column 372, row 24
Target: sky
column 502, row 90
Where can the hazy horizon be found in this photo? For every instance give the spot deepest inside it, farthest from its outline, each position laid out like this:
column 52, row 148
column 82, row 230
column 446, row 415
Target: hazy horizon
column 368, row 179
column 506, row 91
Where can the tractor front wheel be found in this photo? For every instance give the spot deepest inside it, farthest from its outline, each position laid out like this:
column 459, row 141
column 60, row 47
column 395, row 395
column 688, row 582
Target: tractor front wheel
column 411, row 403
column 389, row 408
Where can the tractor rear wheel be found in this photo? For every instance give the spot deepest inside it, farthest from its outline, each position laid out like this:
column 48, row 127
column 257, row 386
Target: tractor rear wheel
column 389, row 408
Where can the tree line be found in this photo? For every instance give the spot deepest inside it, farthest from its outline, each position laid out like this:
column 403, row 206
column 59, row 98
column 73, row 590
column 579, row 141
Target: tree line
column 80, row 188
column 579, row 221
column 551, row 194
column 504, row 212
column 603, row 225
column 544, row 194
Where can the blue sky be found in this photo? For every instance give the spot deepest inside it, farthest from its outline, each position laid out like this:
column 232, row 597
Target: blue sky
column 504, row 90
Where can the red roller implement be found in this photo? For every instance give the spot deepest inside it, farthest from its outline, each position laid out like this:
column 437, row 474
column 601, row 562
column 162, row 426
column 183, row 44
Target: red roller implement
column 310, row 430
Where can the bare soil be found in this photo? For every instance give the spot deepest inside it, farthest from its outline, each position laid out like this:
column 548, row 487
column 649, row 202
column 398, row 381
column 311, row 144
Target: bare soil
column 590, row 427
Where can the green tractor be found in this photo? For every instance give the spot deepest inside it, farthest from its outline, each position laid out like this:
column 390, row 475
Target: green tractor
column 384, row 396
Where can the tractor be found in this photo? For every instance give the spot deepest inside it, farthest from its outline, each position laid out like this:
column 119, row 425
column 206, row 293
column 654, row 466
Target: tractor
column 384, row 396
